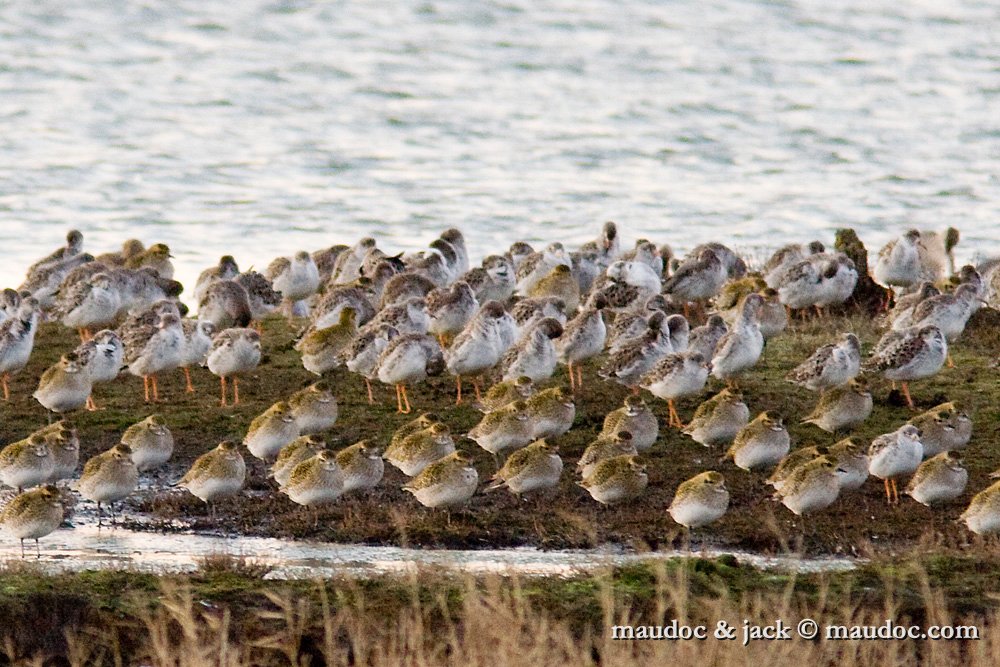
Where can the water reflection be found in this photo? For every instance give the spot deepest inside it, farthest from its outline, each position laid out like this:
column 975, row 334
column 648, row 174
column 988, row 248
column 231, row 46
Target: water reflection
column 86, row 547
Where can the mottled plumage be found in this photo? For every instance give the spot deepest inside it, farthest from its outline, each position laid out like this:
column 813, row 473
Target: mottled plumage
column 314, row 408
column 17, row 340
column 812, row 486
column 741, row 347
column 294, row 453
column 912, row 354
column 225, row 303
column 26, row 463
column 503, row 393
column 150, row 441
column 109, row 477
column 700, row 500
column 508, row 427
column 226, row 269
column 216, row 474
column 408, row 359
column 550, row 412
column 605, row 447
column 534, row 354
column 615, row 480
column 405, row 286
column 296, row 277
column 322, row 349
column 705, row 338
column 895, row 455
column 697, row 278
column 88, row 304
column 33, row 515
column 65, row 386
column 262, row 298
column 448, row 482
column 270, row 431
column 560, row 283
column 493, row 281
column 793, row 460
column 636, row 358
column 636, row 418
column 316, row 481
column 943, row 428
column 150, row 350
column 234, row 352
column 983, row 513
column 483, row 341
column 64, row 444
column 677, row 376
column 761, row 443
column 842, row 408
column 939, row 479
column 416, row 451
column 831, row 365
column 156, row 257
column 362, row 466
column 719, row 419
column 449, row 309
column 851, row 457
column 529, row 311
column 532, row 468
column 582, row 338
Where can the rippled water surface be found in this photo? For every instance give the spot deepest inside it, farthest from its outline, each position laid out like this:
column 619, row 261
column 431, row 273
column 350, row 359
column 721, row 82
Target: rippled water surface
column 259, row 128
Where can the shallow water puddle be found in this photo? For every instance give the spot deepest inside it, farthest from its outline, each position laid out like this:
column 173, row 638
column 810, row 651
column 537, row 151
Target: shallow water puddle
column 86, row 547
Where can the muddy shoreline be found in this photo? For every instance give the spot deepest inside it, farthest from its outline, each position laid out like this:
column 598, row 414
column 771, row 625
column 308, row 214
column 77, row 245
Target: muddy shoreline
column 858, row 524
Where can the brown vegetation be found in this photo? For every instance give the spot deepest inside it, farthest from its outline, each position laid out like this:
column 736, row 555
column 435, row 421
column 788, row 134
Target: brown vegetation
column 227, row 615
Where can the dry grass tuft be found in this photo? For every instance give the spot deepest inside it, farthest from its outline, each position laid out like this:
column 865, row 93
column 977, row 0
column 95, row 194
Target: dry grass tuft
column 428, row 618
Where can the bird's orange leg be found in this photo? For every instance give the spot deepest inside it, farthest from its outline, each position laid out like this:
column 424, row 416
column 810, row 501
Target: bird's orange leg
column 674, row 418
column 401, row 400
column 458, row 385
column 187, row 377
column 156, row 390
column 475, row 385
column 236, row 391
column 145, row 386
column 6, row 387
column 579, row 376
column 572, row 379
column 371, row 399
column 951, row 364
column 906, row 393
column 91, row 406
column 222, row 381
column 888, row 492
column 895, row 492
